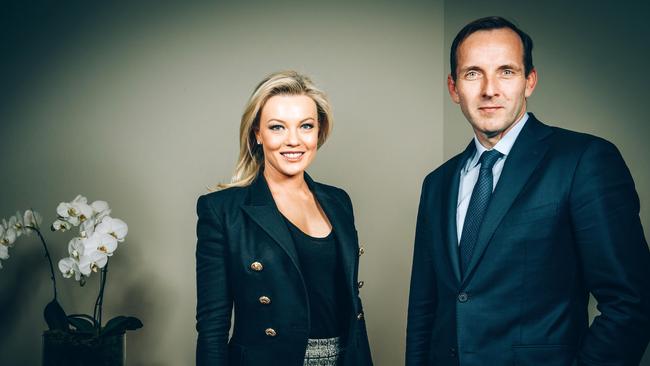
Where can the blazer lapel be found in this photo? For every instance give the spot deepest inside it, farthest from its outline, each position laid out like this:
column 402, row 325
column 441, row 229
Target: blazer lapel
column 452, row 205
column 343, row 226
column 262, row 210
column 525, row 156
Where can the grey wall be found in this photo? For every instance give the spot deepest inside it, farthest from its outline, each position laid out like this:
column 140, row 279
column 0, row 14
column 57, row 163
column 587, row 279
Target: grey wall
column 590, row 58
column 139, row 105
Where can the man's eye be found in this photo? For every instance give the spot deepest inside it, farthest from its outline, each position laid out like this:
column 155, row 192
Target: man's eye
column 471, row 75
column 508, row 72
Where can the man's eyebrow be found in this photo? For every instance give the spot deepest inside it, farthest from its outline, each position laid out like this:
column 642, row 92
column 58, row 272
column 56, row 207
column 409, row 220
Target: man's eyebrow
column 509, row 66
column 469, row 68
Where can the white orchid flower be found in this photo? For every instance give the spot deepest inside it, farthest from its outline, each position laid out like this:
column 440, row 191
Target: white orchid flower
column 101, row 242
column 114, row 227
column 76, row 248
column 61, row 225
column 75, row 212
column 68, row 267
column 92, row 262
column 9, row 236
column 32, row 219
column 16, row 222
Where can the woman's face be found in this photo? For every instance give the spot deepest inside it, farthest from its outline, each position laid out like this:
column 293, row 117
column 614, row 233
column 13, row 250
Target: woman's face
column 288, row 133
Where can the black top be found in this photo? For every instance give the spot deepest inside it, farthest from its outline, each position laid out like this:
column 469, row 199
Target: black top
column 323, row 275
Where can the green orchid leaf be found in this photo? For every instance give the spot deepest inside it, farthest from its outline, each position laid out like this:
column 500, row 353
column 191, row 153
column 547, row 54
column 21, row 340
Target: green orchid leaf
column 120, row 324
column 82, row 323
column 55, row 316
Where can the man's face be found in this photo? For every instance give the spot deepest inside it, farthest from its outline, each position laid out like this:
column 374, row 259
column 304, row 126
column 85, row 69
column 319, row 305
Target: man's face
column 491, row 86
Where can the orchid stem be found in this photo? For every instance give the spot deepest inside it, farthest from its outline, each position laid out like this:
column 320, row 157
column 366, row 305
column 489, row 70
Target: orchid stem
column 49, row 258
column 99, row 303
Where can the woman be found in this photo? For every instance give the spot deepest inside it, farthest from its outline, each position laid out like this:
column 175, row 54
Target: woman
column 278, row 247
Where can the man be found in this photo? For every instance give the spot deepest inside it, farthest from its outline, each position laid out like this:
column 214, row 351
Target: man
column 516, row 231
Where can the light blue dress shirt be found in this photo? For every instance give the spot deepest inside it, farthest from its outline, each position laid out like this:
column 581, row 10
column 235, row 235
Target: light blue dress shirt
column 469, row 173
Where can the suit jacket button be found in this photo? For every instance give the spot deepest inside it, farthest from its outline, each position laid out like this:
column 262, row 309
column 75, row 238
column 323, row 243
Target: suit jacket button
column 361, row 251
column 257, row 266
column 359, row 316
column 265, row 300
column 463, row 297
column 452, row 351
column 360, row 284
column 270, row 332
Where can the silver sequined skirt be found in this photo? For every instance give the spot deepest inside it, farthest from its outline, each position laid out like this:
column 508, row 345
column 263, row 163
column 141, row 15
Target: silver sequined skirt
column 323, row 352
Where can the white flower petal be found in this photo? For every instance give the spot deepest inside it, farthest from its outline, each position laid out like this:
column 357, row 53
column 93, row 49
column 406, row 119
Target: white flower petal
column 114, row 227
column 100, row 206
column 4, row 252
column 63, row 209
column 80, row 199
column 76, row 248
column 61, row 225
column 101, row 242
column 32, row 219
column 9, row 237
column 68, row 267
column 87, row 228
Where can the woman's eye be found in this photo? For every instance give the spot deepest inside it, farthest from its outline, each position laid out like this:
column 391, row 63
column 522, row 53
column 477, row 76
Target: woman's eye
column 307, row 126
column 276, row 127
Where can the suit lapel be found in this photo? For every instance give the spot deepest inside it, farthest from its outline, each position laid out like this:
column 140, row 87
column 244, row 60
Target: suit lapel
column 262, row 210
column 525, row 156
column 452, row 206
column 343, row 226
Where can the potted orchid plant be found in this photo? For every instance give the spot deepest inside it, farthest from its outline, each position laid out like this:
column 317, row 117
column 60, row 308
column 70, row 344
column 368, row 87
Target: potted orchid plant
column 78, row 339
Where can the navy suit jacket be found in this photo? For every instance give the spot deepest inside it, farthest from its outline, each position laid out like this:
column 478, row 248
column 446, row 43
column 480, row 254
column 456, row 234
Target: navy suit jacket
column 239, row 226
column 563, row 222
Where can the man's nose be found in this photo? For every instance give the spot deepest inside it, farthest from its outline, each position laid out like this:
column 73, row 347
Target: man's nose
column 490, row 87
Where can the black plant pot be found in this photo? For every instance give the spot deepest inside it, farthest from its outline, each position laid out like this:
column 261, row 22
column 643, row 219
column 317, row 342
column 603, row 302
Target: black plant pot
column 80, row 349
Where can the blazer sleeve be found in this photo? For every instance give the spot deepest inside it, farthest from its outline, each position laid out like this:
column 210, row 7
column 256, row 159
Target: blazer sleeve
column 214, row 298
column 422, row 294
column 614, row 255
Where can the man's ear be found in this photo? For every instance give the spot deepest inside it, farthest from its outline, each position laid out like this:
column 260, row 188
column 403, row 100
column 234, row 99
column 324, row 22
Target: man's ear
column 531, row 82
column 451, row 86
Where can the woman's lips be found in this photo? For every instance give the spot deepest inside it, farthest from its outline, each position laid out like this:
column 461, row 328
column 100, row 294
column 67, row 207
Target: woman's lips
column 292, row 156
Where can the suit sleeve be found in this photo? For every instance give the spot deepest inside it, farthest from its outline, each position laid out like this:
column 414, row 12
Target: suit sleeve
column 614, row 256
column 214, row 299
column 422, row 295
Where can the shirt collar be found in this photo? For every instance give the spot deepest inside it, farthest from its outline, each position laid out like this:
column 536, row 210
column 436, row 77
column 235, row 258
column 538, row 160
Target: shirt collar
column 503, row 146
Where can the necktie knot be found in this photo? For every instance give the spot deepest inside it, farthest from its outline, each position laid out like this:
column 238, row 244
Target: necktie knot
column 489, row 158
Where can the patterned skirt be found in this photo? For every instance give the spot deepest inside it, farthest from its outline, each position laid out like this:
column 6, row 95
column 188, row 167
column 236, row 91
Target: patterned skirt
column 323, row 352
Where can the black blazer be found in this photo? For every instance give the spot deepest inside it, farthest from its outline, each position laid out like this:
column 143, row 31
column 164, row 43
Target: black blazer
column 238, row 227
column 563, row 222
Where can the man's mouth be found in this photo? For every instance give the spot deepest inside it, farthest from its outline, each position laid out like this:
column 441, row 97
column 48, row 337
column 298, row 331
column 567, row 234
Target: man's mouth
column 490, row 108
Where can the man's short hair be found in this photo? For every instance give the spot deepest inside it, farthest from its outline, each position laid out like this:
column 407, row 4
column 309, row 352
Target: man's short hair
column 489, row 23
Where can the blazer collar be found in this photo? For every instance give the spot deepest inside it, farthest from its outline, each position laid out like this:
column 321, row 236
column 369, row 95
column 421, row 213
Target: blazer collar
column 524, row 158
column 261, row 208
column 263, row 211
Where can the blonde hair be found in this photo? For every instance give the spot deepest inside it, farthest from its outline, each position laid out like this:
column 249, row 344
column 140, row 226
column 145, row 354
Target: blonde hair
column 251, row 156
